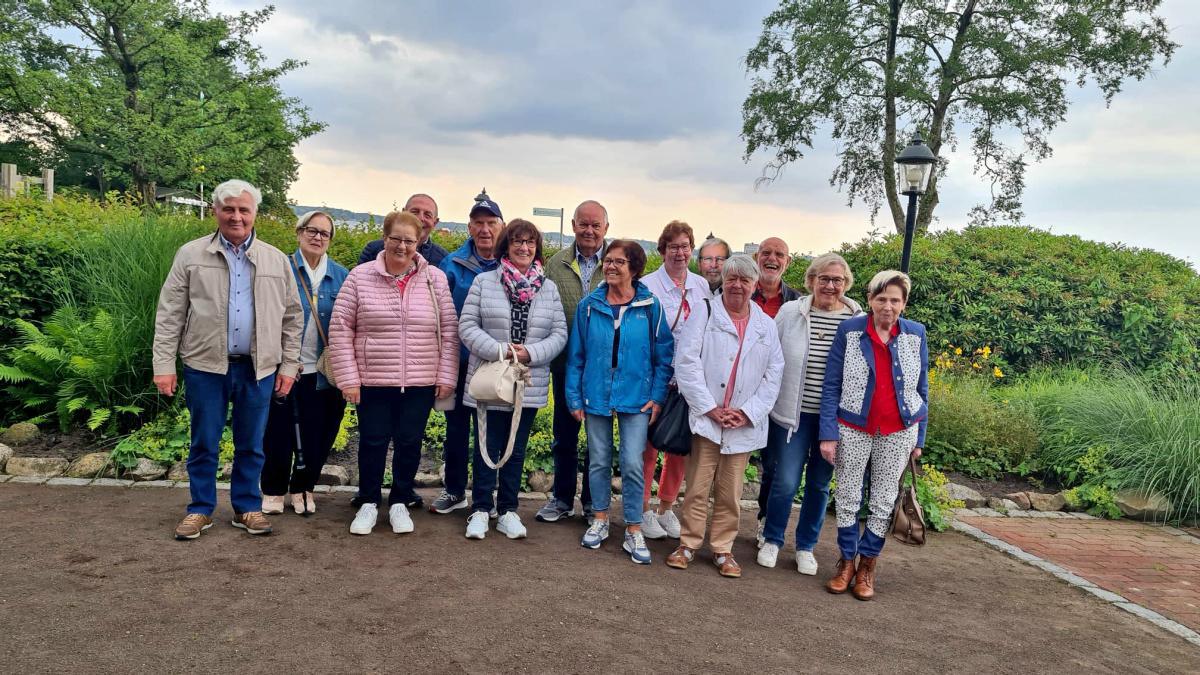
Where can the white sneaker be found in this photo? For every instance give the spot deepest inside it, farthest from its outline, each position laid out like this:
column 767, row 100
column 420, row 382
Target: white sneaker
column 806, row 563
column 650, row 527
column 477, row 525
column 670, row 523
column 399, row 518
column 364, row 520
column 759, row 540
column 768, row 554
column 510, row 525
column 272, row 505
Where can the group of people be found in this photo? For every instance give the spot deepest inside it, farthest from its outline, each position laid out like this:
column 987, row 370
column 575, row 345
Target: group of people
column 822, row 386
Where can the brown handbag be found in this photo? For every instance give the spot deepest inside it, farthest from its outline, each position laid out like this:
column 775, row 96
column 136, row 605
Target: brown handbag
column 908, row 520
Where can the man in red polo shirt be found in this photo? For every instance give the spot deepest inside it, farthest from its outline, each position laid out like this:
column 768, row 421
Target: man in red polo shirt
column 773, row 260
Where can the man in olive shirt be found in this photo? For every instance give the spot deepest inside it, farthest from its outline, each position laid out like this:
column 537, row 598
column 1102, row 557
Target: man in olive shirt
column 576, row 271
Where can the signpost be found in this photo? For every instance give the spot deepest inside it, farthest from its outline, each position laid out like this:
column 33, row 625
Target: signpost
column 538, row 211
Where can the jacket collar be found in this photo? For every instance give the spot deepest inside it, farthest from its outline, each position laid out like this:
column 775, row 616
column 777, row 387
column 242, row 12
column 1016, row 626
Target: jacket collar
column 642, row 297
column 756, row 328
column 804, row 304
column 381, row 269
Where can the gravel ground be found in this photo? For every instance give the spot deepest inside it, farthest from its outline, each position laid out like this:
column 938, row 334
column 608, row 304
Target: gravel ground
column 91, row 581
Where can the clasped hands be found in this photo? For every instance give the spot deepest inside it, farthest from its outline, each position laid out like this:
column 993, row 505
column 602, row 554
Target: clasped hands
column 728, row 418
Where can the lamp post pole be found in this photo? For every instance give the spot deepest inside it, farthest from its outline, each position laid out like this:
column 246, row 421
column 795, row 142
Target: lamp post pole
column 914, row 166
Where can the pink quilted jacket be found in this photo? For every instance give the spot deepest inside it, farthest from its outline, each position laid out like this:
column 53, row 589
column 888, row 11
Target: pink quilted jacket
column 380, row 338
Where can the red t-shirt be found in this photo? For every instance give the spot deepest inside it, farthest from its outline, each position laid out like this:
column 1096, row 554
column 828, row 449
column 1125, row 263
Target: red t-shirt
column 884, row 416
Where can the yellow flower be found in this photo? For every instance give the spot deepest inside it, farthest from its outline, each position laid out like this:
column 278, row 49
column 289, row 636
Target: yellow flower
column 976, row 366
column 987, row 351
column 958, row 351
column 996, row 372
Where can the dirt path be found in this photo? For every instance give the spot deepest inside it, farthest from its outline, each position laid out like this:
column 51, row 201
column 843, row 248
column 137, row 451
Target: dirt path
column 90, row 581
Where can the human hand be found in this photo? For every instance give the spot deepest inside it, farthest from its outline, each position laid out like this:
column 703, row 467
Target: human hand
column 443, row 391
column 166, row 384
column 352, row 395
column 578, row 415
column 736, row 419
column 916, row 454
column 522, row 353
column 829, row 451
column 718, row 415
column 283, row 385
column 654, row 409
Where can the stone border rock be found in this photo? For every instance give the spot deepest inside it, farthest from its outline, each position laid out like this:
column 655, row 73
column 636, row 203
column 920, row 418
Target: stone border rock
column 1079, row 582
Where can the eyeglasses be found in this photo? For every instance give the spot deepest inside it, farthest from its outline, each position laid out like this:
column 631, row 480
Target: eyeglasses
column 523, row 243
column 314, row 233
column 408, row 243
column 679, row 248
column 831, row 281
column 615, row 262
column 713, row 259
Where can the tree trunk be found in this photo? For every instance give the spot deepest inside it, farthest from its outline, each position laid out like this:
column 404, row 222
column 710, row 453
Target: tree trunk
column 889, row 128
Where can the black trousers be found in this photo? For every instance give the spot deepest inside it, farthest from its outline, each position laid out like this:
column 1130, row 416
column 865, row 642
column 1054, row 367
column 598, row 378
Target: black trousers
column 565, row 447
column 396, row 415
column 320, row 414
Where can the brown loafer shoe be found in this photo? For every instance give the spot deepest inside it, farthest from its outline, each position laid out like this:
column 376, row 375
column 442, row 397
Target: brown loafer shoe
column 864, row 580
column 727, row 566
column 192, row 525
column 253, row 522
column 842, row 577
column 680, row 558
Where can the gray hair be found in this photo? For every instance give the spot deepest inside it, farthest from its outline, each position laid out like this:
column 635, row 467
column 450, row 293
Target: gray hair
column 740, row 265
column 716, row 241
column 575, row 216
column 889, row 278
column 304, row 219
column 234, row 188
column 820, row 264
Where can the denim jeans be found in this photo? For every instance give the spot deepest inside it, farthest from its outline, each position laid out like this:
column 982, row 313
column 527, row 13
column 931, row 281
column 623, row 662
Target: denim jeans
column 460, row 441
column 208, row 396
column 566, row 446
column 792, row 458
column 499, row 424
column 633, row 428
column 397, row 415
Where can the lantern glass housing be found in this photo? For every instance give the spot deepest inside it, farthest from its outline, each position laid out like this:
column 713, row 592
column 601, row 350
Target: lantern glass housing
column 914, row 166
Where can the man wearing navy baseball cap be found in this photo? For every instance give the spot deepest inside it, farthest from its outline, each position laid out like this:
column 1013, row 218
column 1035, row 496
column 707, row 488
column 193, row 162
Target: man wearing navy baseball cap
column 475, row 256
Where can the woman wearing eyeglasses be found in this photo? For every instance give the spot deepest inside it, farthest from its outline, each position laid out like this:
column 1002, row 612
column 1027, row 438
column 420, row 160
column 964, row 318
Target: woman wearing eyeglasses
column 511, row 309
column 681, row 293
column 313, row 404
column 394, row 339
column 806, row 331
column 618, row 366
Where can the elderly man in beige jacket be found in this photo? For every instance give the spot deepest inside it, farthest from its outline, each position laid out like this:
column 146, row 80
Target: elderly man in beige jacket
column 230, row 310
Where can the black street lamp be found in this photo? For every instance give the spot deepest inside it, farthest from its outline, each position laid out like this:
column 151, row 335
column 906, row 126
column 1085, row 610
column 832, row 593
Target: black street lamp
column 914, row 165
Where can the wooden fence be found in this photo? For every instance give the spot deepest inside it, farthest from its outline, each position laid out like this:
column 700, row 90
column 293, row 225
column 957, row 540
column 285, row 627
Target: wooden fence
column 11, row 182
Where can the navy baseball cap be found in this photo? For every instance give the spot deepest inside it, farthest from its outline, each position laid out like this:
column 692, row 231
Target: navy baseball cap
column 486, row 205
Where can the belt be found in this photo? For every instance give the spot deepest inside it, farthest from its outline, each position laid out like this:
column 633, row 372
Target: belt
column 239, row 358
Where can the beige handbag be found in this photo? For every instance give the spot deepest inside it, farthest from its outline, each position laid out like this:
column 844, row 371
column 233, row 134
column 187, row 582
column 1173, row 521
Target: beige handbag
column 323, row 366
column 500, row 382
column 442, row 404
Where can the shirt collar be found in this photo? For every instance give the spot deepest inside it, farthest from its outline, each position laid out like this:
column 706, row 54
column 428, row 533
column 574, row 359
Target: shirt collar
column 875, row 336
column 593, row 257
column 235, row 249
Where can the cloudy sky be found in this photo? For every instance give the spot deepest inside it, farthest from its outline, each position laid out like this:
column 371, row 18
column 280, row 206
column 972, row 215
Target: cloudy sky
column 638, row 105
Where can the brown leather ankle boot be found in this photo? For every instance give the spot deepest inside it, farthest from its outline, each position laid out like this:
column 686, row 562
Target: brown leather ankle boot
column 864, row 580
column 842, row 577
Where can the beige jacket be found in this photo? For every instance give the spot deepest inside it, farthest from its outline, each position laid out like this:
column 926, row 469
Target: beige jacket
column 192, row 307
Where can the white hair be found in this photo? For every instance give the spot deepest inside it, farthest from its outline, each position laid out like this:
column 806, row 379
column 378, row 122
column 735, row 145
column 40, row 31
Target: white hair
column 889, row 278
column 740, row 265
column 582, row 204
column 715, row 241
column 302, row 222
column 234, row 188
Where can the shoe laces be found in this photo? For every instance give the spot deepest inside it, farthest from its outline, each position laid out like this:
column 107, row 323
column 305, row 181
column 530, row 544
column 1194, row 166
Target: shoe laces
column 193, row 519
column 477, row 515
column 639, row 539
column 597, row 527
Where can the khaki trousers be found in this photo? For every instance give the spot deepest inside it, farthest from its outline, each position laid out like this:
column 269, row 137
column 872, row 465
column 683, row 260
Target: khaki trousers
column 708, row 469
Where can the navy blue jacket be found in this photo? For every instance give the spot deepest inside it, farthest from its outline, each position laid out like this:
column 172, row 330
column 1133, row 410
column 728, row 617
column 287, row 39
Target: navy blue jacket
column 430, row 251
column 461, row 268
column 327, row 292
column 851, row 370
column 644, row 355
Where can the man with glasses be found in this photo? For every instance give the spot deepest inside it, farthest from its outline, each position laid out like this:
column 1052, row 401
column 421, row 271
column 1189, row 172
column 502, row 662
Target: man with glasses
column 575, row 270
column 773, row 260
column 713, row 254
column 476, row 256
column 425, row 209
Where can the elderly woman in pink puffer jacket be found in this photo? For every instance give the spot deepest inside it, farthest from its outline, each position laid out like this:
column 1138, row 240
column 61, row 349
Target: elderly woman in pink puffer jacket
column 394, row 350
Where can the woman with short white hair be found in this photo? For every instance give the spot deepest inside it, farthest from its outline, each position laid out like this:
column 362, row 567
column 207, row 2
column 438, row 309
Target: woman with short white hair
column 806, row 329
column 728, row 366
column 873, row 412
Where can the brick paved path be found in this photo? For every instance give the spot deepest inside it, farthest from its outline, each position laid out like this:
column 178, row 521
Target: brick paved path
column 1155, row 567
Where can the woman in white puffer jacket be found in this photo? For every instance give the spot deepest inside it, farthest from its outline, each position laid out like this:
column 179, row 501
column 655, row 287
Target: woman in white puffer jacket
column 512, row 309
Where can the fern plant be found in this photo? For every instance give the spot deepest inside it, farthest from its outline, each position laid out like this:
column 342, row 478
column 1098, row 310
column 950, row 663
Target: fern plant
column 71, row 369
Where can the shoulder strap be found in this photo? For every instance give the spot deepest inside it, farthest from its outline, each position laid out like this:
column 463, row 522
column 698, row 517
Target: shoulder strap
column 682, row 299
column 316, row 314
column 437, row 309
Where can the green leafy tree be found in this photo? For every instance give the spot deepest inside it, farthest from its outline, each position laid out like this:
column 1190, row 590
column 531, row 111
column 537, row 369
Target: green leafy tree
column 153, row 92
column 863, row 70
